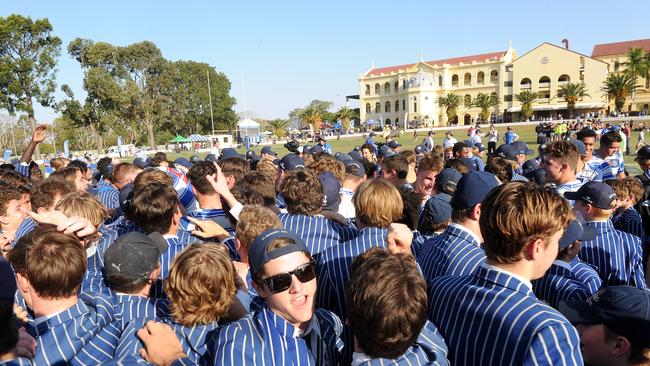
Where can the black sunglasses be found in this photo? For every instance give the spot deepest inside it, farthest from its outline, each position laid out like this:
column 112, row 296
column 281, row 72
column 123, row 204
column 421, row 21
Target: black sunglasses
column 281, row 282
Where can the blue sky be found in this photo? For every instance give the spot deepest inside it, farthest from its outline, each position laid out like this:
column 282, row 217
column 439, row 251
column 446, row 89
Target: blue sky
column 290, row 52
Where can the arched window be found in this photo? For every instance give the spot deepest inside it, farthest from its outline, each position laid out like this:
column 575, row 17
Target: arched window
column 467, row 79
column 544, row 81
column 454, row 80
column 377, row 88
column 396, row 86
column 525, row 83
column 367, row 89
column 377, row 107
column 563, row 79
column 367, row 107
column 387, row 88
column 467, row 100
column 387, row 107
column 493, row 76
column 480, row 78
column 397, row 106
column 440, row 80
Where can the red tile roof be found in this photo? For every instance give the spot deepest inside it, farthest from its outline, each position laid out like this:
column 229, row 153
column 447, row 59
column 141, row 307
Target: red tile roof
column 605, row 49
column 451, row 61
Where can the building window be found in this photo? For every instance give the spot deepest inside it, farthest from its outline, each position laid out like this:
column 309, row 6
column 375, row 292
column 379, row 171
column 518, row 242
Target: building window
column 454, row 80
column 507, row 98
column 404, row 105
column 377, row 89
column 440, row 80
column 493, row 76
column 397, row 106
column 377, row 107
column 387, row 107
column 387, row 88
column 507, row 83
column 396, row 86
column 415, row 107
column 544, row 82
column 467, row 79
column 367, row 107
column 617, row 65
column 563, row 79
column 525, row 83
column 404, row 84
column 480, row 78
column 367, row 89
column 467, row 100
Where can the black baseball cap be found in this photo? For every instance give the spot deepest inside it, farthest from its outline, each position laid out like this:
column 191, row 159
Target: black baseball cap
column 268, row 150
column 598, row 194
column 643, row 153
column 291, row 162
column 258, row 255
column 133, row 256
column 472, row 189
column 623, row 309
column 394, row 144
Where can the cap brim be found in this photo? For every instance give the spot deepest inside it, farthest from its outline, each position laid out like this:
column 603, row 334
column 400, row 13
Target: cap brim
column 159, row 240
column 571, row 196
column 578, row 312
column 589, row 233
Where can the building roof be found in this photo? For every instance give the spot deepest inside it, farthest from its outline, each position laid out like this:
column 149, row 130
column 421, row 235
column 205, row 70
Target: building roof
column 616, row 48
column 451, row 61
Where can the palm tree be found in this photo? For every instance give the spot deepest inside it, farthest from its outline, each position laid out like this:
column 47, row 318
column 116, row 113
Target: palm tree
column 485, row 102
column 450, row 102
column 313, row 118
column 345, row 114
column 619, row 87
column 279, row 127
column 526, row 98
column 572, row 92
column 637, row 65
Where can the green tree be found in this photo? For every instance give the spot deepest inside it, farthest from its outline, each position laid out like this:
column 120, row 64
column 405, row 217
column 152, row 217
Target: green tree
column 279, row 127
column 572, row 92
column 346, row 114
column 450, row 102
column 28, row 57
column 637, row 65
column 312, row 114
column 619, row 87
column 485, row 102
column 526, row 98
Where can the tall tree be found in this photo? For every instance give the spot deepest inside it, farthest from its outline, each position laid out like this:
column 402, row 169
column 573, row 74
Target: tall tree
column 619, row 87
column 526, row 98
column 636, row 66
column 312, row 114
column 572, row 92
column 485, row 102
column 28, row 56
column 279, row 127
column 450, row 102
column 346, row 114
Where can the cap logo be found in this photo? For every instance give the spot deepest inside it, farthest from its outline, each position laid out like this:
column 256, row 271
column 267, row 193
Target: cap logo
column 117, row 267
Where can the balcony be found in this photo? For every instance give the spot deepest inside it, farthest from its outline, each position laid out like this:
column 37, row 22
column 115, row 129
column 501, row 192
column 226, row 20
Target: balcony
column 544, row 85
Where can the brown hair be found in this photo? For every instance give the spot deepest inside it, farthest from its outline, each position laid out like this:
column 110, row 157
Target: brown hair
column 246, row 196
column 197, row 175
column 158, row 158
column 7, row 194
column 608, row 138
column 500, row 168
column 84, row 205
column 59, row 163
column 235, row 167
column 153, row 208
column 539, row 214
column 13, row 177
column 396, row 163
column 302, row 192
column 635, row 188
column 267, row 167
column 151, row 176
column 388, row 313
column 54, row 263
column 324, row 162
column 201, row 284
column 430, row 163
column 564, row 152
column 377, row 203
column 254, row 220
column 44, row 195
column 262, row 183
column 439, row 150
column 457, row 164
column 409, row 155
column 118, row 175
column 67, row 174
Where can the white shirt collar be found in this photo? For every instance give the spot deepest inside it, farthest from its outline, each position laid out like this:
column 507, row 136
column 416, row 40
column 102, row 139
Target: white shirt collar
column 91, row 250
column 525, row 281
column 470, row 232
column 359, row 358
column 42, row 319
column 562, row 264
column 169, row 236
column 313, row 326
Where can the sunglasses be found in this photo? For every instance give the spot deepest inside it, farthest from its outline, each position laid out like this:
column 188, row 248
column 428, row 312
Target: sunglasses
column 281, row 282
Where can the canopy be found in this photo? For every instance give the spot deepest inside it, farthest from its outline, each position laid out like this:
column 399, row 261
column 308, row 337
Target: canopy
column 179, row 138
column 247, row 123
column 197, row 137
column 557, row 107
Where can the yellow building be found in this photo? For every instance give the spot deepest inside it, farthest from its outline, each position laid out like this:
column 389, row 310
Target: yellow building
column 410, row 92
column 615, row 54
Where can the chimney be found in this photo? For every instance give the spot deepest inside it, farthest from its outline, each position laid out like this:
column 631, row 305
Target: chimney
column 566, row 43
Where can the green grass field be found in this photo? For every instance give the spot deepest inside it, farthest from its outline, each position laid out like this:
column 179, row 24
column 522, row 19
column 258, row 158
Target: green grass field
column 526, row 134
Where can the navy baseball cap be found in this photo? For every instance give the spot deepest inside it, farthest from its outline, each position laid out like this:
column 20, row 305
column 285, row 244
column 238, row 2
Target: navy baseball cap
column 447, row 179
column 316, row 149
column 258, row 255
column 133, row 256
column 418, row 149
column 343, row 157
column 437, row 209
column 385, row 151
column 472, row 189
column 504, row 151
column 126, row 195
column 291, row 162
column 184, row 162
column 7, row 281
column 331, row 191
column 320, row 138
column 576, row 231
column 394, row 144
column 355, row 168
column 643, row 153
column 598, row 194
column 468, row 143
column 582, row 149
column 194, row 159
column 268, row 150
column 355, row 155
column 471, row 163
column 529, row 165
column 623, row 309
column 229, row 152
column 211, row 158
column 479, row 146
column 141, row 163
column 520, row 147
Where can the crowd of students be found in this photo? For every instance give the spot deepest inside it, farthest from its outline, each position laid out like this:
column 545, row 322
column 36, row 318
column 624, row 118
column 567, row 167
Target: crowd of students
column 373, row 257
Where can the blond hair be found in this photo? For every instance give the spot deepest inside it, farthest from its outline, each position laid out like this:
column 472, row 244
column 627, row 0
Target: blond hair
column 83, row 205
column 377, row 203
column 254, row 220
column 201, row 284
column 150, row 176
